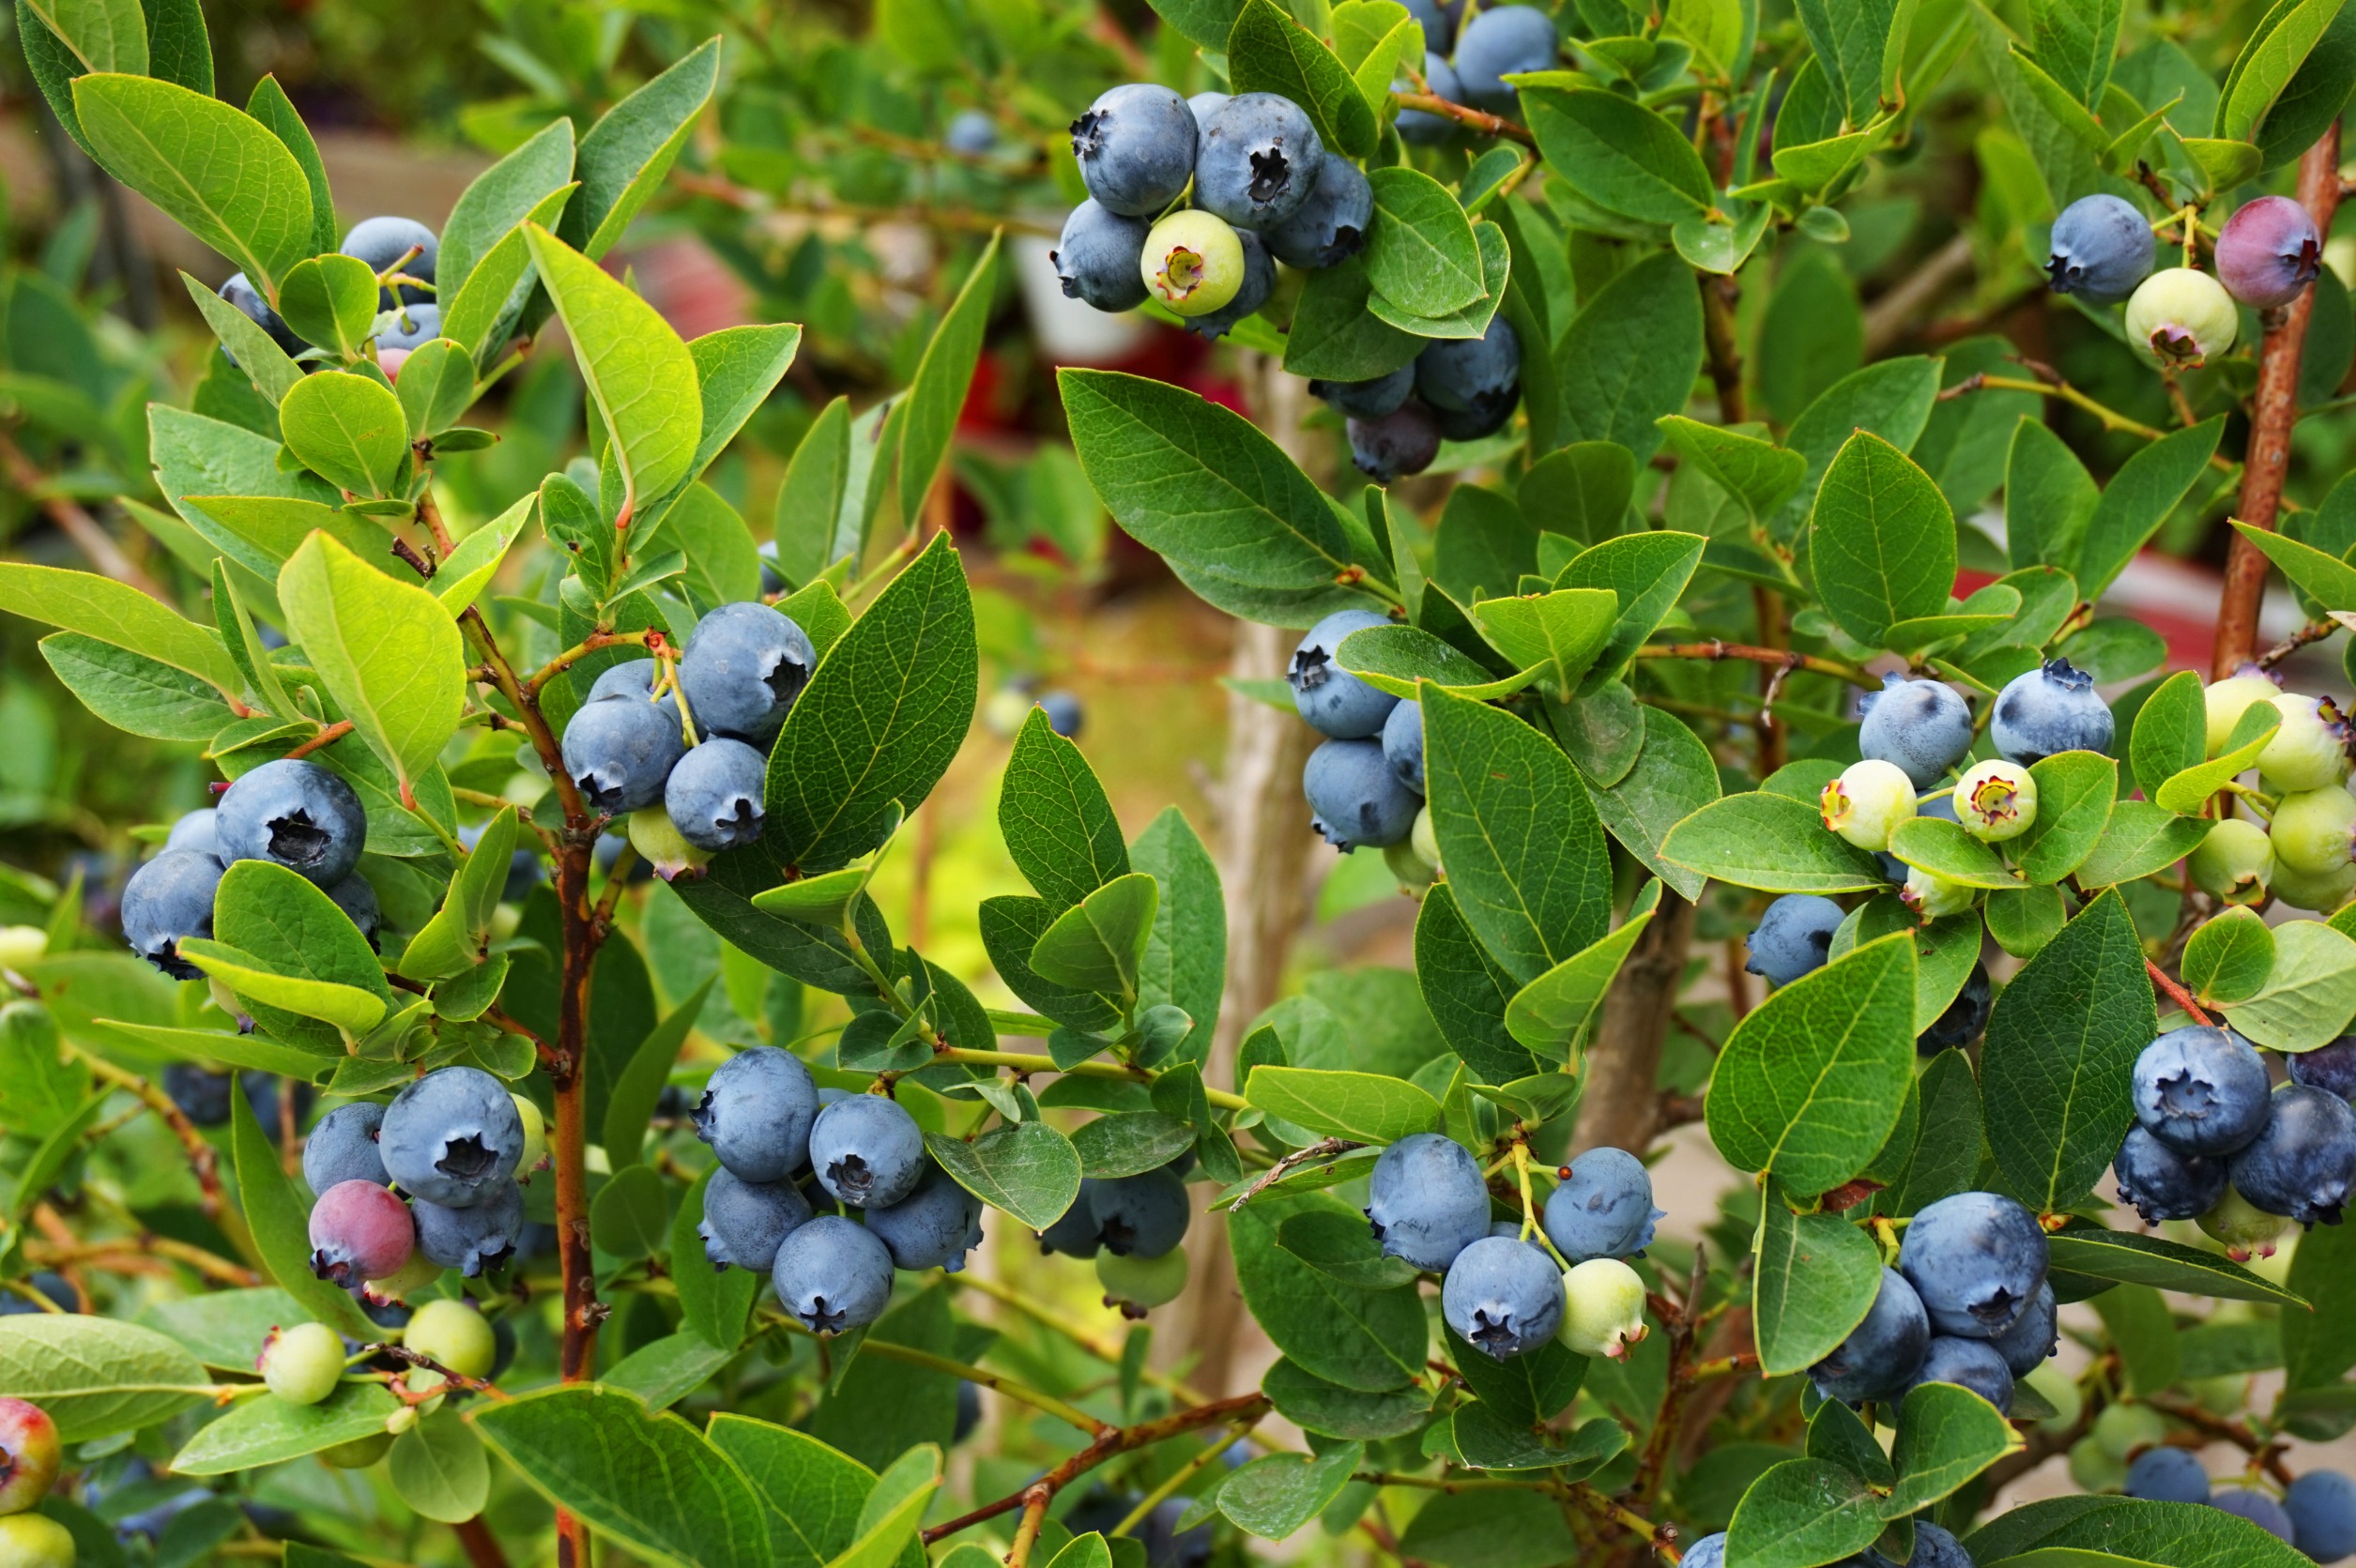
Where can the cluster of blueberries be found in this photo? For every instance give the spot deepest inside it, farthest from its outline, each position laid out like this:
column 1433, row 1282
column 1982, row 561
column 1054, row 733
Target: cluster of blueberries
column 1934, row 1547
column 2306, row 856
column 2265, row 255
column 1365, row 784
column 1132, row 1226
column 1429, row 1205
column 2316, row 1512
column 304, row 1365
column 388, row 246
column 30, row 1457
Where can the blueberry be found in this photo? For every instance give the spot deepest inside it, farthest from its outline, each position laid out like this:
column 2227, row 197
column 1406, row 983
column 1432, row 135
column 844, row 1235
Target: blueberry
column 1143, row 1215
column 2101, row 248
column 1333, row 701
column 1330, row 226
column 771, row 581
column 2166, row 1475
column 1355, row 798
column 2050, row 709
column 1136, row 146
column 756, row 1113
column 1964, row 1019
column 1932, row 1548
column 1402, row 743
column 1603, row 1208
column 2313, row 831
column 713, row 795
column 453, row 1137
column 413, row 329
column 1253, row 289
column 358, row 1232
column 833, row 1274
column 2322, row 1509
column 619, row 750
column 1794, row 938
column 1371, row 399
column 1481, row 420
column 1098, row 257
column 457, row 1334
column 195, row 831
column 1259, row 159
column 1921, row 725
column 2329, row 1067
column 969, row 1414
column 358, row 900
column 261, row 1097
column 1426, row 1201
column 1166, row 1546
column 973, row 133
column 481, row 1236
column 1479, row 377
column 1421, row 127
column 1502, row 1298
column 1064, row 715
column 383, row 241
column 1401, row 443
column 1879, row 1357
column 933, row 1227
column 57, row 1288
column 1973, row 1364
column 523, row 867
column 36, row 1541
column 1976, row 1259
column 2302, row 1164
column 2201, row 1091
column 2159, row 1184
column 1497, row 43
column 2235, row 862
column 633, row 678
column 608, row 852
column 301, row 1364
column 1709, row 1552
column 744, row 665
column 2309, row 750
column 744, row 1222
column 2035, row 1336
column 250, row 303
column 294, row 814
column 2256, row 1507
column 2269, row 251
column 1074, row 1234
column 202, row 1094
column 1438, row 23
column 868, row 1151
column 2246, row 1230
column 1203, row 105
column 2178, row 317
column 343, row 1146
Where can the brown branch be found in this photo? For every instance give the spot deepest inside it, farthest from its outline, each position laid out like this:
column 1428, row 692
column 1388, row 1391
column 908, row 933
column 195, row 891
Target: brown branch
column 1464, row 114
column 1715, row 649
column 145, row 1245
column 482, row 1547
column 76, row 523
column 2177, row 994
column 1719, row 335
column 1325, row 1149
column 2313, row 632
column 1888, row 317
column 326, row 736
column 2274, row 409
column 455, row 1378
column 2265, row 1451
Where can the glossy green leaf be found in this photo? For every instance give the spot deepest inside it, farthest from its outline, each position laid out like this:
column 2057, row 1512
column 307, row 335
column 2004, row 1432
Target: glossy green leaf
column 1268, row 52
column 2309, row 992
column 1028, row 1168
column 1816, row 1279
column 1772, row 842
column 349, row 430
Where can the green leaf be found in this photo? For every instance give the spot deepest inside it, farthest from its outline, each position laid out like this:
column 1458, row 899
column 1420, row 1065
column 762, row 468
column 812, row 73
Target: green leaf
column 1632, row 352
column 2140, row 839
column 458, row 937
column 1582, row 491
column 1011, row 928
column 1648, row 571
column 2277, row 49
column 1394, row 658
column 1267, row 51
column 1314, row 1404
column 1466, row 992
column 631, row 1215
column 1816, row 1279
column 439, row 1467
column 1945, row 1436
column 2132, row 1259
column 2061, row 1043
column 2074, row 794
column 880, row 721
column 1029, row 1170
column 469, row 568
column 2227, row 958
column 1549, row 1015
column 2319, row 1345
column 1557, row 633
column 101, row 34
column 96, row 1376
column 281, row 1225
column 1362, row 1106
column 387, row 652
column 813, row 1492
column 630, row 1105
column 1420, row 252
column 437, row 385
column 1099, row 943
column 40, row 1090
column 2329, row 580
column 714, row 1301
column 218, row 173
column 1274, row 1496
column 349, row 430
column 1756, row 472
column 499, row 199
column 256, row 352
column 1801, row 1512
column 1131, row 1143
column 134, row 693
column 2091, row 1531
column 2187, row 793
column 2139, row 498
column 1618, row 154
column 1673, row 777
column 267, row 1431
column 330, row 301
column 928, row 413
column 1772, row 842
column 1948, row 1146
column 626, row 154
column 117, row 614
column 1881, row 539
column 1207, row 23
column 1334, row 335
column 1892, row 398
column 2309, row 994
column 2171, row 732
column 1368, row 1341
column 271, row 917
column 1058, row 825
column 1186, row 956
column 478, row 314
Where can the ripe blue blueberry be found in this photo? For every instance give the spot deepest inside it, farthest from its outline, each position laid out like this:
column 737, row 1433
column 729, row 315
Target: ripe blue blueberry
column 2256, row 1507
column 1166, row 1546
column 1476, row 377
column 1143, row 1215
column 1794, row 938
column 1403, row 442
column 833, row 1274
column 358, row 900
column 1709, row 1552
column 1203, row 106
column 2304, row 1160
column 195, row 831
column 201, row 1094
column 1136, row 146
column 770, row 580
column 1065, row 716
column 481, row 1236
column 2322, row 1509
column 1258, row 161
column 523, row 868
column 2166, row 1475
column 973, row 133
column 713, row 795
column 2102, row 246
column 1921, row 725
column 2049, row 710
column 1371, row 399
column 343, row 1146
column 250, row 303
column 1438, row 23
column 1420, row 126
column 868, row 1151
column 2269, row 251
column 1473, row 424
column 1333, row 701
column 1881, row 1353
column 1972, row 1363
column 414, row 327
column 744, row 665
column 453, row 1137
column 1330, row 226
column 57, row 1288
column 1502, row 1298
column 1097, row 257
column 383, row 241
column 1497, row 43
column 1964, row 1019
column 619, row 750
column 2329, row 1067
column 2201, row 1091
column 1353, row 797
column 633, row 678
column 2036, row 1335
column 295, row 813
column 1402, row 743
column 933, row 1227
column 2159, row 1184
column 1426, row 1201
column 744, row 1221
column 165, row 900
column 756, row 1113
column 1932, row 1548
column 1074, row 1234
column 1603, row 1208
column 1976, row 1259
column 969, row 1414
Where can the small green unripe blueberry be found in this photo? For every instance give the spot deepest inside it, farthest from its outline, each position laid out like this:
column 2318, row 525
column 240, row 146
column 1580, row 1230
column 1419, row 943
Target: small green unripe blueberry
column 455, row 1335
column 21, row 945
column 1867, row 802
column 1425, row 840
column 358, row 1453
column 2234, row 862
column 1603, row 1307
column 1931, row 896
column 29, row 1456
column 1193, row 263
column 35, row 1541
column 414, row 1276
column 2310, row 751
column 2246, row 1230
column 2314, row 830
column 661, row 845
column 2093, row 1468
column 301, row 1364
column 1135, row 1284
column 2302, row 890
column 535, row 1156
column 2223, row 702
column 1995, row 800
column 2124, row 1429
column 2178, row 317
column 1408, row 866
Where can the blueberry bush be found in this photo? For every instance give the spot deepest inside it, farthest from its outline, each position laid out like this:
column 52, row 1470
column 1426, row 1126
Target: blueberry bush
column 1613, row 673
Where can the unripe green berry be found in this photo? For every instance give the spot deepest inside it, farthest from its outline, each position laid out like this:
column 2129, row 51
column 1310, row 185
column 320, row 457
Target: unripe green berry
column 1867, row 802
column 535, row 1155
column 1603, row 1307
column 2093, row 1470
column 1995, row 800
column 2323, row 894
column 1136, row 1284
column 2178, row 318
column 21, row 945
column 2314, row 830
column 2234, row 862
column 661, row 845
column 1929, row 897
column 1425, row 839
column 2309, row 750
column 29, row 1456
column 1193, row 263
column 455, row 1335
column 2223, row 702
column 35, row 1541
column 2125, row 1429
column 414, row 1276
column 2245, row 1229
column 358, row 1453
column 302, row 1365
column 1405, row 864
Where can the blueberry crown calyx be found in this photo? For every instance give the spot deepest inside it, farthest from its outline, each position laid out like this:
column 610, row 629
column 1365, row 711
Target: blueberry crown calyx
column 2064, row 673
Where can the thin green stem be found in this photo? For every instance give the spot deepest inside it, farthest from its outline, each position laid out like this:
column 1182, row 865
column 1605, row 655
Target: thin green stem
column 1022, row 1063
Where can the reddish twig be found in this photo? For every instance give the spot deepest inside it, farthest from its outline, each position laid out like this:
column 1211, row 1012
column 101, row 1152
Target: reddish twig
column 2313, row 632
column 1464, row 115
column 482, row 1547
column 2177, row 994
column 1715, row 649
column 326, row 736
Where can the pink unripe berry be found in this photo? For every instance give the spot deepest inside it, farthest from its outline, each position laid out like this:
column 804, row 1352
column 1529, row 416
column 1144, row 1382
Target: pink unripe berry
column 28, row 1455
column 359, row 1231
column 389, row 360
column 2269, row 251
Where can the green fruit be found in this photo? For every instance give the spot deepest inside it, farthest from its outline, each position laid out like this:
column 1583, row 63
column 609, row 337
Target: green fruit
column 1134, row 1284
column 2179, row 317
column 302, row 1365
column 1995, row 800
column 2093, row 1468
column 2122, row 1429
column 455, row 1335
column 358, row 1453
column 2223, row 702
column 35, row 1541
column 2234, row 862
column 1868, row 802
column 2245, row 1229
column 535, row 1154
column 1193, row 263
